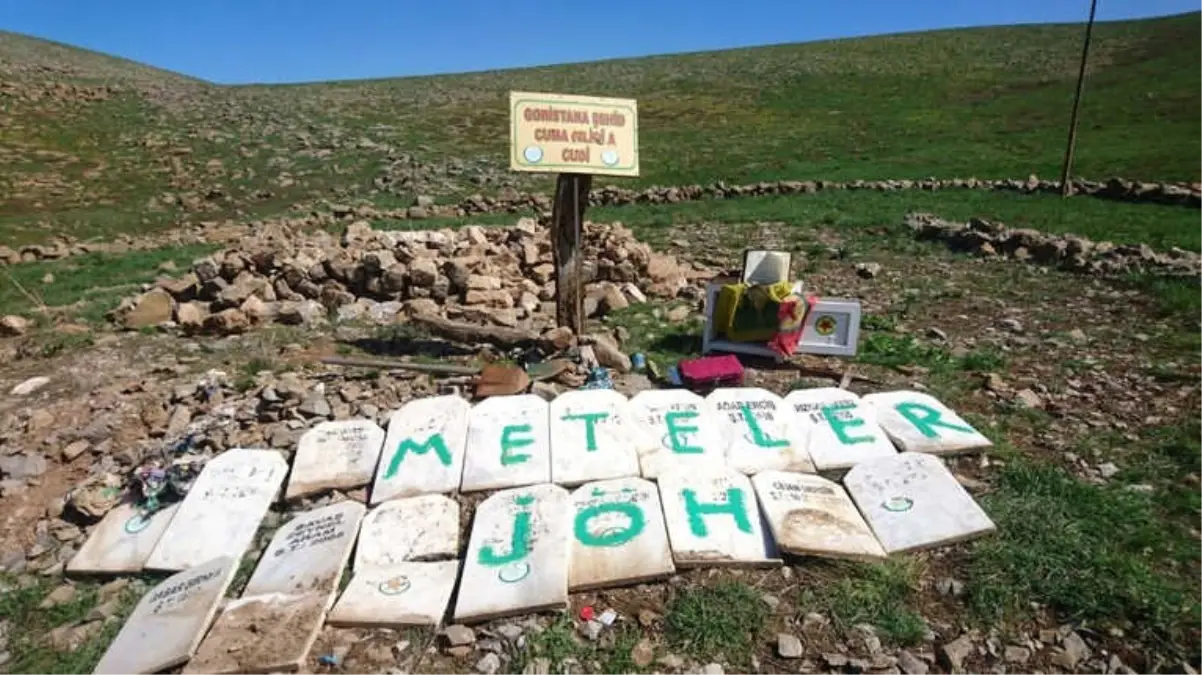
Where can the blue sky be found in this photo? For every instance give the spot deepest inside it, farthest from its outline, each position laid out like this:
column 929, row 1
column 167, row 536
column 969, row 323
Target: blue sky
column 242, row 41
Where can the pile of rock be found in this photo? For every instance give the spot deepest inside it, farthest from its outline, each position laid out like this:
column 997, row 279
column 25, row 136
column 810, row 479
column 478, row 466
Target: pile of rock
column 1070, row 252
column 492, row 276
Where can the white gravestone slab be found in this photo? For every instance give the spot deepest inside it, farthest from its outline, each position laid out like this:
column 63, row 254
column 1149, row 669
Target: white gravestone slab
column 223, row 509
column 423, row 452
column 810, row 515
column 837, row 428
column 508, row 443
column 122, row 541
column 275, row 623
column 595, row 437
column 335, row 455
column 405, row 594
column 519, row 554
column 713, row 519
column 912, row 501
column 618, row 534
column 917, row 422
column 170, row 620
column 757, row 430
column 681, row 431
column 408, row 530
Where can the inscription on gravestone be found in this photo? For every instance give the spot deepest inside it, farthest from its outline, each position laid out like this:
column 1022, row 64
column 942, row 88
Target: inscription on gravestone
column 681, row 423
column 838, row 429
column 335, row 455
column 756, row 428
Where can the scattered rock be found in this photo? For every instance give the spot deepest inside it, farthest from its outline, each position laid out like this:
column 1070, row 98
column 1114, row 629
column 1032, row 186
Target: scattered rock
column 21, row 467
column 670, row 661
column 937, row 334
column 789, row 646
column 713, row 669
column 315, row 405
column 459, row 635
column 30, row 386
column 14, row 326
column 868, row 270
column 1072, row 651
column 952, row 654
column 1108, row 469
column 950, row 586
column 608, row 354
column 910, row 664
column 488, row 665
column 1012, row 325
column 151, row 309
column 679, row 313
column 1016, row 654
column 643, row 653
column 1028, row 399
column 59, row 596
column 75, row 449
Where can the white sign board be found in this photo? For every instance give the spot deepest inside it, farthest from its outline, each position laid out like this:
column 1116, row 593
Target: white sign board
column 519, row 554
column 595, row 437
column 275, row 623
column 122, row 541
column 756, row 428
column 810, row 515
column 508, row 443
column 335, row 455
column 405, row 594
column 408, row 530
column 423, row 451
column 170, row 620
column 619, row 536
column 918, row 422
column 913, row 502
column 222, row 511
column 838, row 429
column 680, row 430
column 713, row 519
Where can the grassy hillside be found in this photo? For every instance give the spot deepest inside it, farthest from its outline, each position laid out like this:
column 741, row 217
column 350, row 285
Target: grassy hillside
column 93, row 145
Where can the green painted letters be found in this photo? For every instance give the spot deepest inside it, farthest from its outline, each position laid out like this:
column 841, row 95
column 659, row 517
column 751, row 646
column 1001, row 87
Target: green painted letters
column 675, row 429
column 840, row 427
column 925, row 419
column 508, row 444
column 408, row 445
column 615, row 536
column 590, row 431
column 519, row 544
column 757, row 434
column 735, row 506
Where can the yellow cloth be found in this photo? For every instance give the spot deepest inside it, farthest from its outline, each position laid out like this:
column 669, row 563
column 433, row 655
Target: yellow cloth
column 751, row 313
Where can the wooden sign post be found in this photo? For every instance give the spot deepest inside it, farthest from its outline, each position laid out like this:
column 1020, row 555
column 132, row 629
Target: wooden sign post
column 576, row 137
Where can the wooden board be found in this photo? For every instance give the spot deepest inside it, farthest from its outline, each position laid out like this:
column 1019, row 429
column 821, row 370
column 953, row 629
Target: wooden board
column 275, row 623
column 837, row 428
column 423, row 451
column 757, row 431
column 222, row 511
column 594, row 437
column 713, row 519
column 408, row 530
column 518, row 555
column 810, row 515
column 122, row 541
column 918, row 422
column 405, row 594
column 912, row 501
column 680, row 429
column 508, row 443
column 335, row 455
column 169, row 621
column 619, row 536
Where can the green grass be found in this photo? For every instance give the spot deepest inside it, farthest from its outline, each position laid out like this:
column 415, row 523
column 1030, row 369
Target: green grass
column 664, row 342
column 894, row 351
column 1122, row 223
column 85, row 287
column 1103, row 555
column 560, row 642
column 989, row 102
column 879, row 594
column 721, row 623
column 30, row 625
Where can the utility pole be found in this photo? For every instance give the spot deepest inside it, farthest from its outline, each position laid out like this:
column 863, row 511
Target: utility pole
column 1065, row 187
